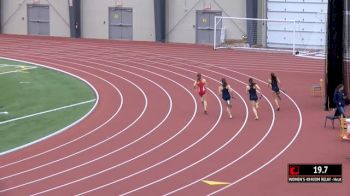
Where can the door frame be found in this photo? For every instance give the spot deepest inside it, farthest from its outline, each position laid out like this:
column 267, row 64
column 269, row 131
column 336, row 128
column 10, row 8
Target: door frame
column 37, row 5
column 122, row 9
column 204, row 11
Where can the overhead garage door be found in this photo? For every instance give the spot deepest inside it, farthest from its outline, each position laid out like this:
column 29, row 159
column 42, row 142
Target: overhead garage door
column 38, row 19
column 120, row 23
column 205, row 20
column 310, row 27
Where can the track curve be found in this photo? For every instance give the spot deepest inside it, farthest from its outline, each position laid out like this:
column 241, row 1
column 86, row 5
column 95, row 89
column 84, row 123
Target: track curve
column 147, row 135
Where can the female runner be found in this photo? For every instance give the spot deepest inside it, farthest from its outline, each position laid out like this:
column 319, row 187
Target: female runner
column 201, row 83
column 274, row 83
column 224, row 91
column 253, row 97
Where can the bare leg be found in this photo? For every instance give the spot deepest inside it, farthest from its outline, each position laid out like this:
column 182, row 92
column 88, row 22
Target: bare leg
column 254, row 104
column 228, row 108
column 275, row 96
column 278, row 107
column 205, row 103
column 279, row 96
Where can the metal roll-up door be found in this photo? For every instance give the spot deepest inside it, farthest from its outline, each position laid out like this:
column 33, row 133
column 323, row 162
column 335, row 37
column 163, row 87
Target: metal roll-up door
column 120, row 23
column 38, row 19
column 205, row 22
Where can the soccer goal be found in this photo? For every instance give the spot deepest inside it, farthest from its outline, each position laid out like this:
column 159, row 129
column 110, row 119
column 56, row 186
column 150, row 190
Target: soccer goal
column 292, row 36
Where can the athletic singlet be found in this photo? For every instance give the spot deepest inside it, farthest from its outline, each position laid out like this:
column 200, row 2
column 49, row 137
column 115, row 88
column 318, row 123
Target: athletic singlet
column 274, row 86
column 225, row 94
column 252, row 94
column 202, row 89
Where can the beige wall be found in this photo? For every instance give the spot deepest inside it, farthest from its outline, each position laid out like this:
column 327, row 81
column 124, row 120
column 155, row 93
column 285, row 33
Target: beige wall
column 94, row 18
column 14, row 17
column 182, row 16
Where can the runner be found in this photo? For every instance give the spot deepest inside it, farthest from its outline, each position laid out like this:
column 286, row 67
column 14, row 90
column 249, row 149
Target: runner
column 201, row 83
column 274, row 83
column 253, row 97
column 224, row 91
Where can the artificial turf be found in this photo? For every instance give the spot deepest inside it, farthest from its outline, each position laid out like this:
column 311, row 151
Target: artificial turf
column 33, row 91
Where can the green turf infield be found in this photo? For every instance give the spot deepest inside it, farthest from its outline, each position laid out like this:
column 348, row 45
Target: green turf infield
column 30, row 90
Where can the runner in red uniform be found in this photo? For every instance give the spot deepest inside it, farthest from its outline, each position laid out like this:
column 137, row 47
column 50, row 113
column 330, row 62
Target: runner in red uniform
column 201, row 84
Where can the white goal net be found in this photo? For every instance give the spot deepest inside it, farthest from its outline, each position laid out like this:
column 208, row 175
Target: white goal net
column 296, row 37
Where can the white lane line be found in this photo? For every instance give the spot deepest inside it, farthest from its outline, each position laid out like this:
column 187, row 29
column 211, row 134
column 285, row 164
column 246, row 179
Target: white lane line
column 212, row 153
column 76, row 139
column 14, row 65
column 200, row 160
column 136, row 157
column 45, row 112
column 270, row 128
column 159, row 163
column 4, row 65
column 114, row 151
column 90, row 147
column 283, row 150
column 209, row 65
column 219, row 60
column 247, row 66
column 237, row 159
column 243, row 66
column 64, row 128
column 277, row 155
column 172, row 192
column 178, row 152
column 17, row 71
column 76, row 46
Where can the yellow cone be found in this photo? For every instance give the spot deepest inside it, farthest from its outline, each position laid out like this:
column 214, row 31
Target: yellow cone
column 214, row 183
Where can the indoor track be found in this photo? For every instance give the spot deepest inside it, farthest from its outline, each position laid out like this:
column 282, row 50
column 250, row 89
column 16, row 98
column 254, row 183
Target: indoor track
column 148, row 134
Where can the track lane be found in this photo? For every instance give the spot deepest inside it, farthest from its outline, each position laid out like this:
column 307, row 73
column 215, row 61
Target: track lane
column 205, row 66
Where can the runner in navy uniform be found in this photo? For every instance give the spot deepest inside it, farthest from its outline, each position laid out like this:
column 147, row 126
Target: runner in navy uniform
column 253, row 97
column 224, row 91
column 274, row 83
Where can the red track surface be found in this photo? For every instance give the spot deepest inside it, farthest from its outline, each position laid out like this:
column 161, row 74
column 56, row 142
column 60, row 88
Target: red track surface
column 160, row 142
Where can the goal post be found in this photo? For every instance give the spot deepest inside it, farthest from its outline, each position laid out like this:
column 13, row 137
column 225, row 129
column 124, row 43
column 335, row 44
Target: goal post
column 254, row 33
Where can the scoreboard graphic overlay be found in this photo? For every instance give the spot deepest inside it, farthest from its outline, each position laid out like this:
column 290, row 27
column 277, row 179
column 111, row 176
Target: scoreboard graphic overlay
column 315, row 173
